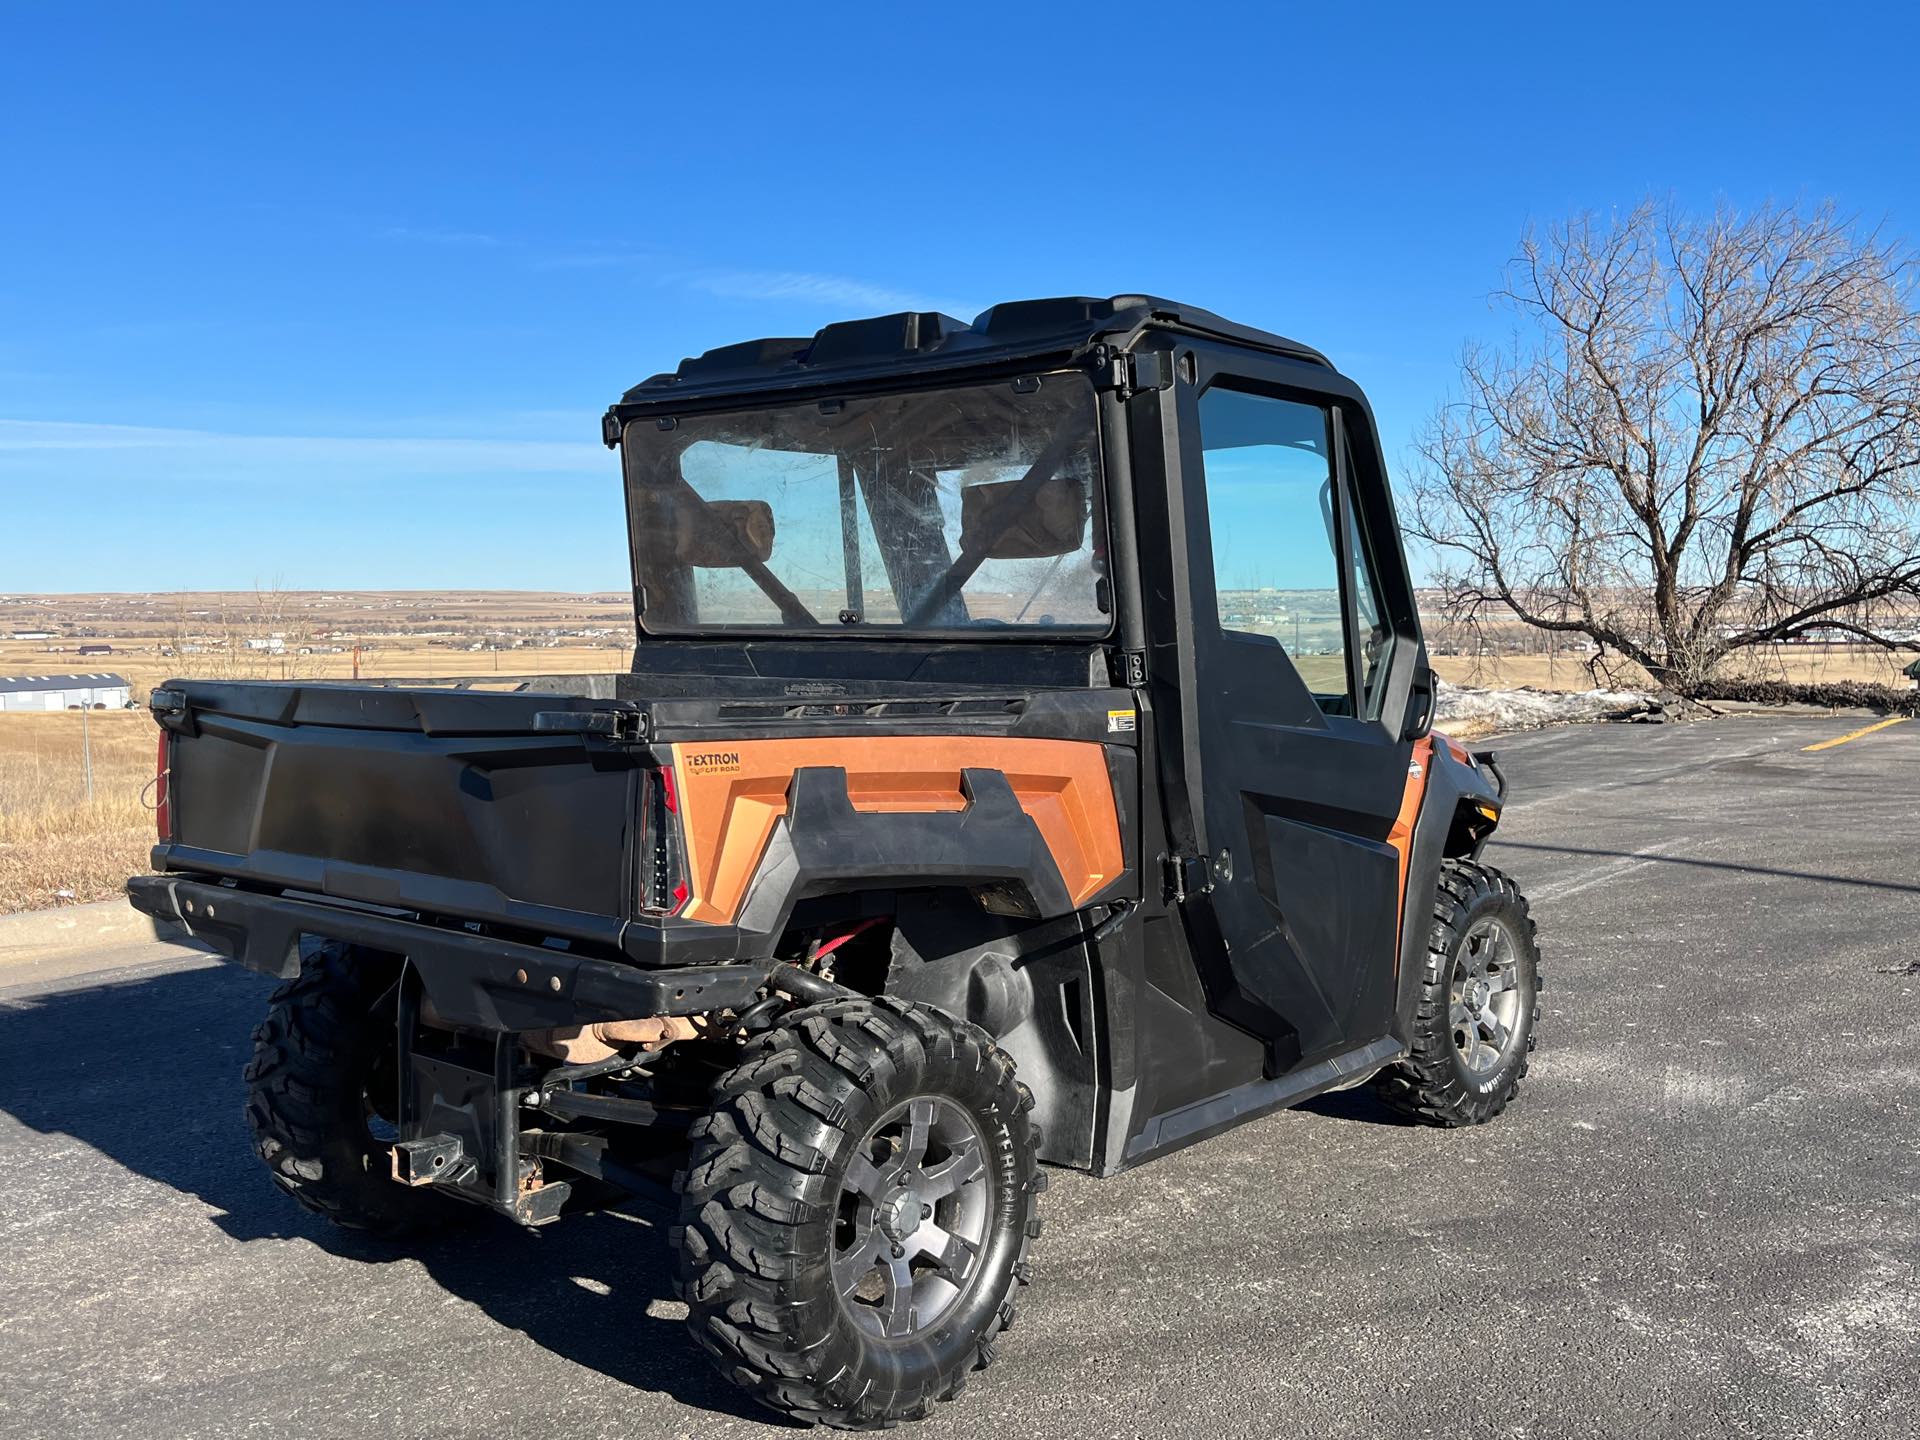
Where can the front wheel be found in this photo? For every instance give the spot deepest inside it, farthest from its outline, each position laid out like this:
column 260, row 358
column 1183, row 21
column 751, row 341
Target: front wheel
column 856, row 1212
column 1474, row 1026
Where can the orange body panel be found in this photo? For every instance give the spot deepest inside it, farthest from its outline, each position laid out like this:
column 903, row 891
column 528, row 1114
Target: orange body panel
column 1401, row 836
column 731, row 794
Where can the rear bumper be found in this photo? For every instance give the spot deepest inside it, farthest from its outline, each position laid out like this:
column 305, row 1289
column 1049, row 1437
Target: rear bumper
column 472, row 980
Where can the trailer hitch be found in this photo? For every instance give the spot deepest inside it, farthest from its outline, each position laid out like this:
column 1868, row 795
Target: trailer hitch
column 432, row 1160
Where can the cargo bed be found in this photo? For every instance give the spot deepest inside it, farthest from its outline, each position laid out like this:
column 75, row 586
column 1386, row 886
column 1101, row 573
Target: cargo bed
column 508, row 810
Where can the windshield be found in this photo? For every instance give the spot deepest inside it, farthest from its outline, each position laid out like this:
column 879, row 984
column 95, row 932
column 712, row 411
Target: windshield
column 971, row 508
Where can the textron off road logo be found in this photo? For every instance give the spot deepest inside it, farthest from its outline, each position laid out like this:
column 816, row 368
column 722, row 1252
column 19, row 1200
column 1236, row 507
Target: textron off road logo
column 714, row 762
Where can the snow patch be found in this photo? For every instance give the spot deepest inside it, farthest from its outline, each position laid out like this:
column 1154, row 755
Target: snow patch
column 1460, row 710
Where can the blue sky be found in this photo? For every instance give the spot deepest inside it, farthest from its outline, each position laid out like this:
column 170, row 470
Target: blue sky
column 333, row 296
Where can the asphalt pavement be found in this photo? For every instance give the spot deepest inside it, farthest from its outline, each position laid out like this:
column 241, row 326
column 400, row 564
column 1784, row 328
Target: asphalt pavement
column 1699, row 1218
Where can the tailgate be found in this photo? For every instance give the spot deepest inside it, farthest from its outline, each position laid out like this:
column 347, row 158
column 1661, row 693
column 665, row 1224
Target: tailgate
column 460, row 804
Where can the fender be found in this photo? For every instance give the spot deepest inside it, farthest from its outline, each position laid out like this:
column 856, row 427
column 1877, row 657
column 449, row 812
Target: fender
column 767, row 823
column 1030, row 985
column 1461, row 806
column 824, row 846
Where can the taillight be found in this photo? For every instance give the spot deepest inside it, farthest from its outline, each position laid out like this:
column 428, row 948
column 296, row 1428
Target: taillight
column 663, row 879
column 162, row 802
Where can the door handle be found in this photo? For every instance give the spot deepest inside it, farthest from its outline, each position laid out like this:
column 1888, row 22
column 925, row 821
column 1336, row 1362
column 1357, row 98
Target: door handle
column 1420, row 710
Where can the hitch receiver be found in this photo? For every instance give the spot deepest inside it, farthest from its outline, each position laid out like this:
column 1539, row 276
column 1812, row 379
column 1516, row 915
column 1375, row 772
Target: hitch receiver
column 431, row 1160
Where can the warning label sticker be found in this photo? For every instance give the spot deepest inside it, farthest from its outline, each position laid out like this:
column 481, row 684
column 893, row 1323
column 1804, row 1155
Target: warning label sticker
column 1121, row 722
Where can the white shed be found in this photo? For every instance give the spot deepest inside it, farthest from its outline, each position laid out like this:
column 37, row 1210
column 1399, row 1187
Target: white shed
column 64, row 692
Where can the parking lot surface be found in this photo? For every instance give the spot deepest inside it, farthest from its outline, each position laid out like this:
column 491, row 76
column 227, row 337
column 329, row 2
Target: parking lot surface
column 1699, row 1218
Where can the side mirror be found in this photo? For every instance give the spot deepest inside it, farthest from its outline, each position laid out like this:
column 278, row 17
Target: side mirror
column 1052, row 520
column 681, row 529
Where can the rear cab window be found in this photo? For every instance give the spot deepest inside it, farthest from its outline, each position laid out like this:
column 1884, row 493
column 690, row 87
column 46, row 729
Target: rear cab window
column 972, row 508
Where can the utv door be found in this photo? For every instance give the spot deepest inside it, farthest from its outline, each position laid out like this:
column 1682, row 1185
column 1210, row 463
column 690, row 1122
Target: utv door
column 1304, row 641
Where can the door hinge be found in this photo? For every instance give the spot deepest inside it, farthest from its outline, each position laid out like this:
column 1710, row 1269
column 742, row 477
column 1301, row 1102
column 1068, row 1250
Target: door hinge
column 1129, row 373
column 1186, row 877
column 1128, row 668
column 623, row 727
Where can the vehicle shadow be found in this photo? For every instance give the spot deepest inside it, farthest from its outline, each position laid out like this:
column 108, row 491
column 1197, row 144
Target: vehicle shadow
column 1359, row 1104
column 1696, row 862
column 147, row 1072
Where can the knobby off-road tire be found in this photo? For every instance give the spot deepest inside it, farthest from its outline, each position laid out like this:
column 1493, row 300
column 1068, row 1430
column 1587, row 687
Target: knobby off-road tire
column 862, row 1140
column 325, row 1047
column 1474, row 1026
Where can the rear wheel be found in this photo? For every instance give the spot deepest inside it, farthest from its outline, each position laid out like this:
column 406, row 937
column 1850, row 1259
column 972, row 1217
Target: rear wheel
column 321, row 1088
column 856, row 1212
column 1474, row 1026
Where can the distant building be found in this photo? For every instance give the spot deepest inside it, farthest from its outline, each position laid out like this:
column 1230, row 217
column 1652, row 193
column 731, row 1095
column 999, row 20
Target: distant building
column 32, row 635
column 64, row 692
column 96, row 650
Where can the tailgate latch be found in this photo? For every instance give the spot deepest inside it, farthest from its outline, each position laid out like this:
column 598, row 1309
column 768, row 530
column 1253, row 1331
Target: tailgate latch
column 624, row 727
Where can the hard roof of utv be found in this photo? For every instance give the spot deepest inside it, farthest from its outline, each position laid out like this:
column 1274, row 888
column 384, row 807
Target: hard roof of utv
column 918, row 341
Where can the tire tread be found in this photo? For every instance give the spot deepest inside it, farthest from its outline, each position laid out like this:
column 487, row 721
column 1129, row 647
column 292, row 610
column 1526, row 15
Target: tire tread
column 757, row 1287
column 1426, row 1085
column 306, row 1050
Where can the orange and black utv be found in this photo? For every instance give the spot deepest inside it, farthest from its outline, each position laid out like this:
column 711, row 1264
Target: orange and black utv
column 1025, row 760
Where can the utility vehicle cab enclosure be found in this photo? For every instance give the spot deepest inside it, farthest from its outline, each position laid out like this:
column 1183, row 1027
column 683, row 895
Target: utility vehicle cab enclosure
column 1025, row 756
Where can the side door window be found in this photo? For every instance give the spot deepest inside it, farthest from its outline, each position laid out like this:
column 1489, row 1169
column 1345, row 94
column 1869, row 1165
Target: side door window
column 1290, row 561
column 1372, row 634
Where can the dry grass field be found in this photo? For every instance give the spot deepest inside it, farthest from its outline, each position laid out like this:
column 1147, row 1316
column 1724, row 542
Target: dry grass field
column 314, row 635
column 56, row 846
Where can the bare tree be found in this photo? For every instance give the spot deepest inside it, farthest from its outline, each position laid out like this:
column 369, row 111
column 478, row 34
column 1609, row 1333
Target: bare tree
column 1703, row 435
column 232, row 638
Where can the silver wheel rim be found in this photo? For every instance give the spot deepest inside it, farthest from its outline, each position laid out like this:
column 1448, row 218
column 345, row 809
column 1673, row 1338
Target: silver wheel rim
column 1484, row 996
column 912, row 1216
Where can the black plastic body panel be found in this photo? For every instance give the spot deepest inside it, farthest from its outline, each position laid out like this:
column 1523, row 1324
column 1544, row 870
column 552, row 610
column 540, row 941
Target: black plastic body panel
column 823, row 846
column 912, row 347
column 449, row 803
column 672, row 668
column 1031, row 988
column 476, row 980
